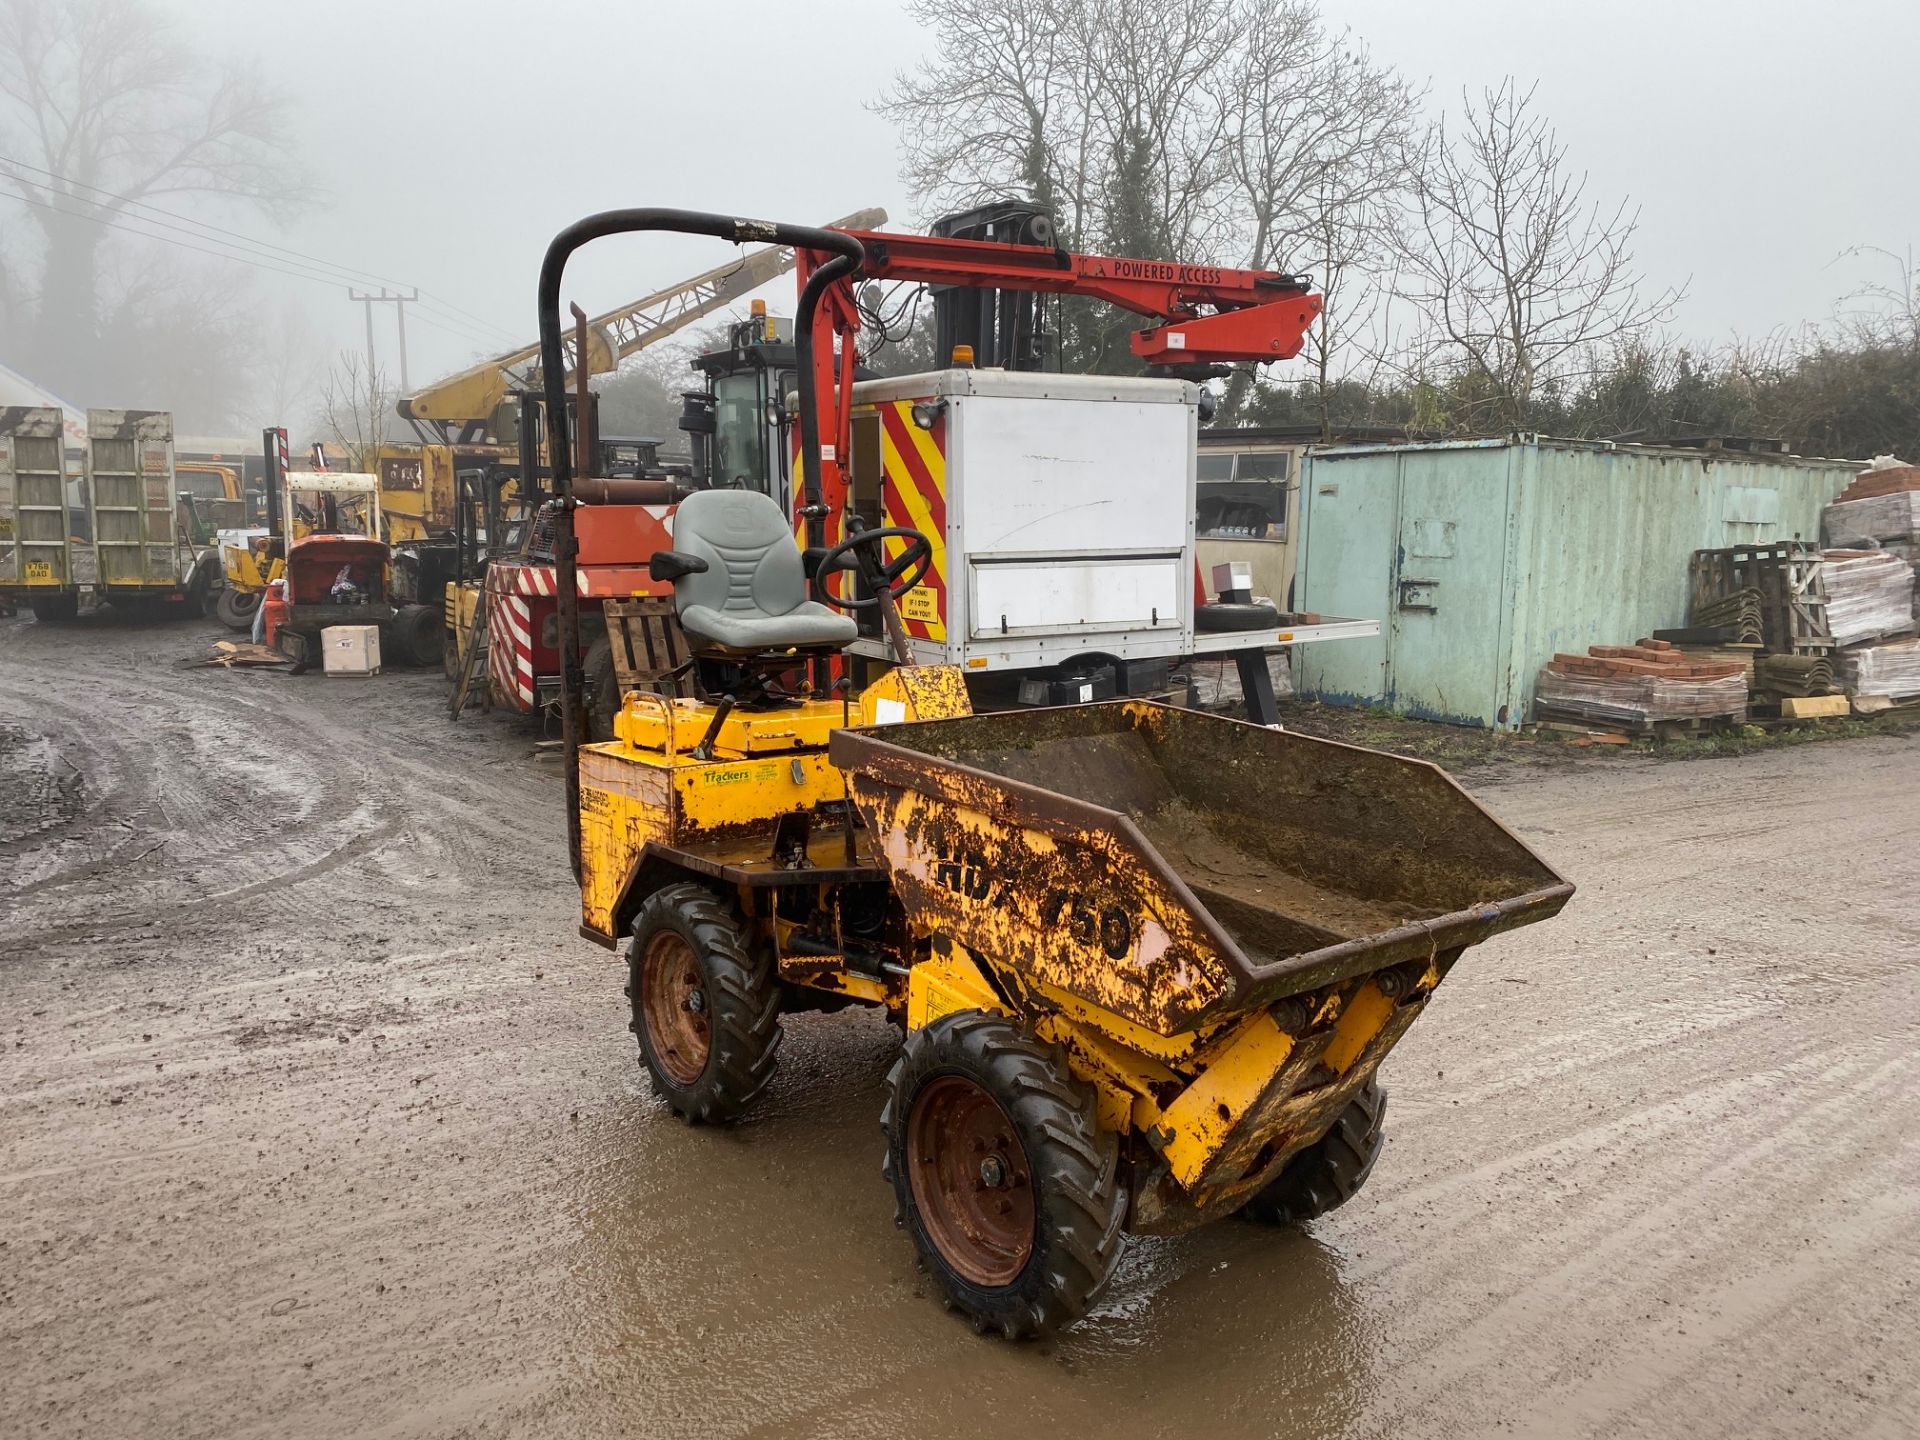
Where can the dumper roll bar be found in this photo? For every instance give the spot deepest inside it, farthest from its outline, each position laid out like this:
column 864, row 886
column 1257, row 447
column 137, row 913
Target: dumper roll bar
column 845, row 255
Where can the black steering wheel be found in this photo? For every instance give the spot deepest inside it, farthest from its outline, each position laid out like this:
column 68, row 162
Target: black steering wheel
column 867, row 547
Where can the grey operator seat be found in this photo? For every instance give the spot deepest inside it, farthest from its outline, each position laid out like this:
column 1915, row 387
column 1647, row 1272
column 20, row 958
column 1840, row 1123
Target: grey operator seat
column 751, row 594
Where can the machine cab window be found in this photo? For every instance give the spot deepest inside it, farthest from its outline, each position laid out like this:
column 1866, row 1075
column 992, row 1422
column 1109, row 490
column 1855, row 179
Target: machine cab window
column 739, row 427
column 740, row 431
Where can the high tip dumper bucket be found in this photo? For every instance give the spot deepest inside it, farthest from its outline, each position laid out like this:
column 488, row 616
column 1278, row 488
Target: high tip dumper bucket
column 1175, row 868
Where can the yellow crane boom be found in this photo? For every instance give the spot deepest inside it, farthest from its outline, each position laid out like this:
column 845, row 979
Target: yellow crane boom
column 470, row 397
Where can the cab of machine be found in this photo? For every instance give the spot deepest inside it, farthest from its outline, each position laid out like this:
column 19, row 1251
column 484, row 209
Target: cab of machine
column 740, row 428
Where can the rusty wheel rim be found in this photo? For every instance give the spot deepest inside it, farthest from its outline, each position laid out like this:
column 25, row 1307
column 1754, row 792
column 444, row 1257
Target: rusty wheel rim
column 673, row 1007
column 971, row 1181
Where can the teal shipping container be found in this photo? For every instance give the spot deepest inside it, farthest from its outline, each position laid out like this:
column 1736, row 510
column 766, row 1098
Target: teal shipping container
column 1482, row 558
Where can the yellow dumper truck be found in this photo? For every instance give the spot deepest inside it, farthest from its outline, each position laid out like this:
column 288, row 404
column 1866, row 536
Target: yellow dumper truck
column 1146, row 961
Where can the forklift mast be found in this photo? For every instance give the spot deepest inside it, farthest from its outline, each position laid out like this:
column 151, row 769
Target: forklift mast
column 1005, row 327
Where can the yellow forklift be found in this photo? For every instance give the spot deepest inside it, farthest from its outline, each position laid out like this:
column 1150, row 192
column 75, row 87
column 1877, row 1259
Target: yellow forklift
column 1146, row 961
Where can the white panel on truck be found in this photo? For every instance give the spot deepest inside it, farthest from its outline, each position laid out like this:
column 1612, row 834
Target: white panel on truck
column 1051, row 476
column 1066, row 596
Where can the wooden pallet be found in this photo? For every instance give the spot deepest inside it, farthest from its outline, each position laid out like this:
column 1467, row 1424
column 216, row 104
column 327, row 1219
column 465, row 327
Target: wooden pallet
column 1689, row 727
column 1793, row 593
column 650, row 649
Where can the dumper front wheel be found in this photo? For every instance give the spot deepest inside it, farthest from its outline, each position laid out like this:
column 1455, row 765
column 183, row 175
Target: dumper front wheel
column 706, row 1011
column 1329, row 1172
column 1010, row 1189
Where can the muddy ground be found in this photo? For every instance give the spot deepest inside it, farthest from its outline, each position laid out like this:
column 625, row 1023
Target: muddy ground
column 316, row 1119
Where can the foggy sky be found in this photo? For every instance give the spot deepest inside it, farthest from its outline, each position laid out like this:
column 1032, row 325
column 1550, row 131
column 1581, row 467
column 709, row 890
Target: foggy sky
column 1761, row 139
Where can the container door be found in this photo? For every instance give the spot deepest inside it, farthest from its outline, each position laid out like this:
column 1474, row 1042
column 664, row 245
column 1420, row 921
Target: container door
column 130, row 465
column 33, row 507
column 1349, row 508
column 1448, row 603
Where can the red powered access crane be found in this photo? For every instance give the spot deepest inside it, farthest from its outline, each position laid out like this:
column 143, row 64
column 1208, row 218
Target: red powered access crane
column 1208, row 314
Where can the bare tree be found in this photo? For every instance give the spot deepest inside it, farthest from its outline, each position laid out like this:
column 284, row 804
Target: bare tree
column 1317, row 152
column 1519, row 278
column 101, row 110
column 1886, row 310
column 183, row 333
column 1159, row 133
column 356, row 402
column 1350, row 340
column 1101, row 110
column 643, row 396
column 999, row 111
column 1237, row 132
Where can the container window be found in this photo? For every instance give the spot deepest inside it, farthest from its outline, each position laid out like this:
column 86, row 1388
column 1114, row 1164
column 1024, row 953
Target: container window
column 1272, row 466
column 1247, row 500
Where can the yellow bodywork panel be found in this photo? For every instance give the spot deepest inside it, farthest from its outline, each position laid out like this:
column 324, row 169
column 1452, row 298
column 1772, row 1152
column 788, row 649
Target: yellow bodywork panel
column 460, row 606
column 1153, row 1053
column 671, row 728
column 623, row 805
column 242, row 566
column 1238, row 1075
column 915, row 692
column 1362, row 1019
column 630, row 797
column 722, row 793
column 648, row 786
column 945, row 985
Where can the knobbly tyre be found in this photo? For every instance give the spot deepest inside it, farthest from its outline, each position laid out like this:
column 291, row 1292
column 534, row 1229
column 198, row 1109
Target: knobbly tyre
column 1147, row 961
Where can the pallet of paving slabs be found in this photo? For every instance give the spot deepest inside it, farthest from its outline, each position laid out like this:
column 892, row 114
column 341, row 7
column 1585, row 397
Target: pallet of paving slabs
column 1891, row 518
column 1869, row 595
column 1675, row 727
column 1887, row 671
column 1633, row 699
column 1889, row 480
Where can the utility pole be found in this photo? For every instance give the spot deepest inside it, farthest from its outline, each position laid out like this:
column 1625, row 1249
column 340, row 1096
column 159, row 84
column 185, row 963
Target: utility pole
column 399, row 303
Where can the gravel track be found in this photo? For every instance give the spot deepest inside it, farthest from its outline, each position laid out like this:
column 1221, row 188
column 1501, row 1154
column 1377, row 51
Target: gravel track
column 317, row 1118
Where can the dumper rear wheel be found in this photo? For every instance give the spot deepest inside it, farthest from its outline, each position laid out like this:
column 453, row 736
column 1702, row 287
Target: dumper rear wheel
column 1329, row 1172
column 706, row 1009
column 1002, row 1176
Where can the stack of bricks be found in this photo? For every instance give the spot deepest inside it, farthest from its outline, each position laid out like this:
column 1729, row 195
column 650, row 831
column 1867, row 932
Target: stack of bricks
column 1639, row 686
column 1649, row 657
column 1888, row 480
